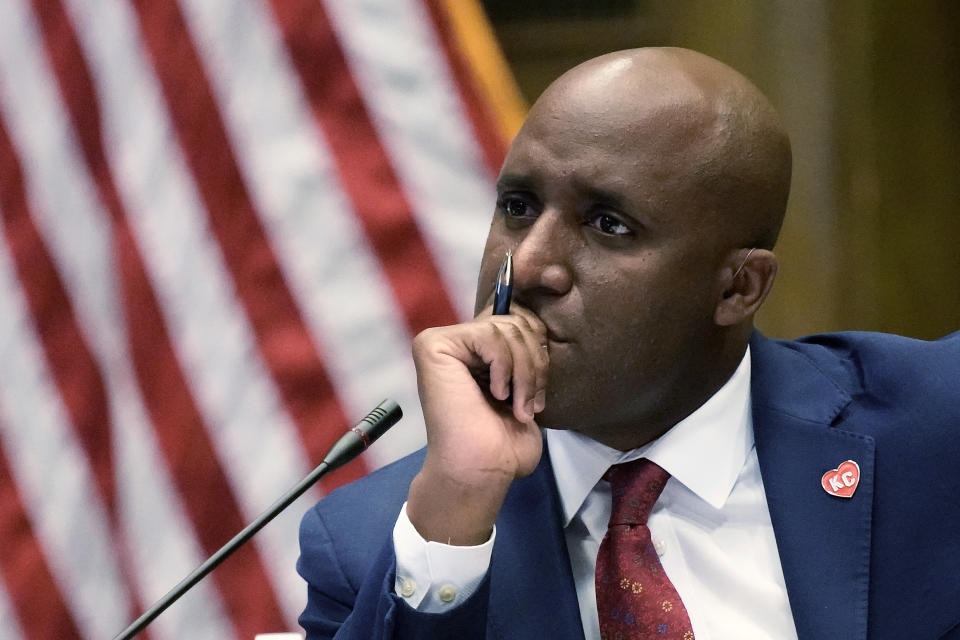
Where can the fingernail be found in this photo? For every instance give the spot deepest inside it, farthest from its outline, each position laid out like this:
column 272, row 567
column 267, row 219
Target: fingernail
column 530, row 409
column 540, row 401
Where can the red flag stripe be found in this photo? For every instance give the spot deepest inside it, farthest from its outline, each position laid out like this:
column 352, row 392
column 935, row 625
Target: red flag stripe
column 52, row 473
column 77, row 229
column 257, row 443
column 366, row 173
column 396, row 58
column 284, row 341
column 479, row 111
column 180, row 430
column 34, row 594
column 341, row 291
column 75, row 371
column 190, row 455
column 229, row 36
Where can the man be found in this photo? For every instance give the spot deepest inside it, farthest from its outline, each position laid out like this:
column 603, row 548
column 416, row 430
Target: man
column 814, row 486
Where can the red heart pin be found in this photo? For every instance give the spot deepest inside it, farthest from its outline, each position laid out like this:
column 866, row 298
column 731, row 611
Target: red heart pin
column 843, row 480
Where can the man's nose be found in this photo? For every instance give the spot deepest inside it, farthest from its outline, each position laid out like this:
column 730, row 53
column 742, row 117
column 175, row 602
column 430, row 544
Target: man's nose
column 542, row 260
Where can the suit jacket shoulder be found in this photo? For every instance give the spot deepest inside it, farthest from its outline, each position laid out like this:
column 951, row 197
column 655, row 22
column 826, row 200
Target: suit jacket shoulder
column 882, row 562
column 866, row 368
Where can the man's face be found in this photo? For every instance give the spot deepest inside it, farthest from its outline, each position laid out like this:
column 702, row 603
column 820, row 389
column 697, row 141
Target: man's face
column 614, row 252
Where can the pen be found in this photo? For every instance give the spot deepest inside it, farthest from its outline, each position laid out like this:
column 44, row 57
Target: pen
column 504, row 289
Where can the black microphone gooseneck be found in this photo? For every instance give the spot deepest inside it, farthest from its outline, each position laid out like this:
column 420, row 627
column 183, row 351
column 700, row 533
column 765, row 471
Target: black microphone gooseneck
column 350, row 445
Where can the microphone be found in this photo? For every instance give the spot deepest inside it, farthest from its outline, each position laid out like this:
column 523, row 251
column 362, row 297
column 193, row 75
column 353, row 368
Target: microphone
column 349, row 446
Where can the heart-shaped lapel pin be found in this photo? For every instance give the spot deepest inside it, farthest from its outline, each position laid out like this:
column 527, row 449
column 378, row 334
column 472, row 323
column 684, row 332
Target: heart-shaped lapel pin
column 843, row 480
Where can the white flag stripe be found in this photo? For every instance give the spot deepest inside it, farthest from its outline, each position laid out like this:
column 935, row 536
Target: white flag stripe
column 399, row 67
column 157, row 529
column 319, row 244
column 39, row 127
column 257, row 443
column 9, row 624
column 77, row 231
column 52, row 473
column 41, row 133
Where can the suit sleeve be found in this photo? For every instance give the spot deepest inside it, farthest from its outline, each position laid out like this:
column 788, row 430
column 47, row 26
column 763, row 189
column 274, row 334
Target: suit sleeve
column 366, row 607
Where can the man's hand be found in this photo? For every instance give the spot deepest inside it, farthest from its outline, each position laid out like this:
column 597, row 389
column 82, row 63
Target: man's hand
column 479, row 440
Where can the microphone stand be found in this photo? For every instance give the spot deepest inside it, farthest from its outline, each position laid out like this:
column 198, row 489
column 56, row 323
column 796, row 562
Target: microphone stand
column 349, row 446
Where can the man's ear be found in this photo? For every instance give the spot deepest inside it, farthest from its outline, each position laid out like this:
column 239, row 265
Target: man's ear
column 746, row 278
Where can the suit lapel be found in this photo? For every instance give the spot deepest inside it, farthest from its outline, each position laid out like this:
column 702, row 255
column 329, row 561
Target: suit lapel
column 532, row 593
column 824, row 541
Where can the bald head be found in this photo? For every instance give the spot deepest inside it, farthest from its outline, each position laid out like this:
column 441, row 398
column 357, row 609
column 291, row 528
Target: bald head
column 714, row 135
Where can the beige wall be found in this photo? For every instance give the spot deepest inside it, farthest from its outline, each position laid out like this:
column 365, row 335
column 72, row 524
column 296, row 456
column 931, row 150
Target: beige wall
column 870, row 92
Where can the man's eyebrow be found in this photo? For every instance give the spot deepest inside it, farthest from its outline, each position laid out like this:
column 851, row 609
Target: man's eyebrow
column 514, row 181
column 607, row 197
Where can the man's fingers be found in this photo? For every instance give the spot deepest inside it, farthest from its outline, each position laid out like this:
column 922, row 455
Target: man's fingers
column 533, row 396
column 510, row 347
column 524, row 373
column 529, row 364
column 501, row 364
column 539, row 348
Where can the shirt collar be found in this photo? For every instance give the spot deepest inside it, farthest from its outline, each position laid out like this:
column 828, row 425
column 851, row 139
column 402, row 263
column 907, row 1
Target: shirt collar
column 705, row 451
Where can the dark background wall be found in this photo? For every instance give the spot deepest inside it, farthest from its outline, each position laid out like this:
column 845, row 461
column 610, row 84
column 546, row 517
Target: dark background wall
column 870, row 92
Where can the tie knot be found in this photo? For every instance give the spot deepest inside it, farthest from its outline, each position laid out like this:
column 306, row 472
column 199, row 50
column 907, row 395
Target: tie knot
column 635, row 487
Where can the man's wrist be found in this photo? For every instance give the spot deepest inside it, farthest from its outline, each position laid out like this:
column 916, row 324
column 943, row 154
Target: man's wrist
column 451, row 512
column 434, row 577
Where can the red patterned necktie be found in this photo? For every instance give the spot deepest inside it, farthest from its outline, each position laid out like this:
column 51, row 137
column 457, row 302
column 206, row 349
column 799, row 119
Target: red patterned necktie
column 635, row 598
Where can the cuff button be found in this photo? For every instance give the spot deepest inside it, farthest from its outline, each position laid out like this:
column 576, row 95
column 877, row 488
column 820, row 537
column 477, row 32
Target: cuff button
column 447, row 593
column 407, row 588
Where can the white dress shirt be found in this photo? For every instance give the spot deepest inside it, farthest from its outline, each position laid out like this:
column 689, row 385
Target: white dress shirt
column 710, row 526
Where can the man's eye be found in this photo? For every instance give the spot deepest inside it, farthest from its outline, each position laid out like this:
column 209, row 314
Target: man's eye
column 609, row 225
column 514, row 207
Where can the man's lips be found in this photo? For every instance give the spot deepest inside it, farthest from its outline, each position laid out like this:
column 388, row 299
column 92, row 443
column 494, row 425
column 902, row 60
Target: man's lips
column 554, row 332
column 552, row 336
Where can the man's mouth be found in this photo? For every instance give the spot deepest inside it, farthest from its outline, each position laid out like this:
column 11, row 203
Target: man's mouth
column 554, row 338
column 554, row 334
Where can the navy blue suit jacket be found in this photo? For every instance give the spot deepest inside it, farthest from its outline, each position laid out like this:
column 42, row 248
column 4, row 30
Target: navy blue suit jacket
column 884, row 563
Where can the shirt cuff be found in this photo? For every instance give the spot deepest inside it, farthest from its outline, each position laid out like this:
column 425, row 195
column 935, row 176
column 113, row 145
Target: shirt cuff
column 433, row 577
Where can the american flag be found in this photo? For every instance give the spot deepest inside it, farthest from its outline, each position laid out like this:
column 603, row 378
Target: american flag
column 221, row 222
